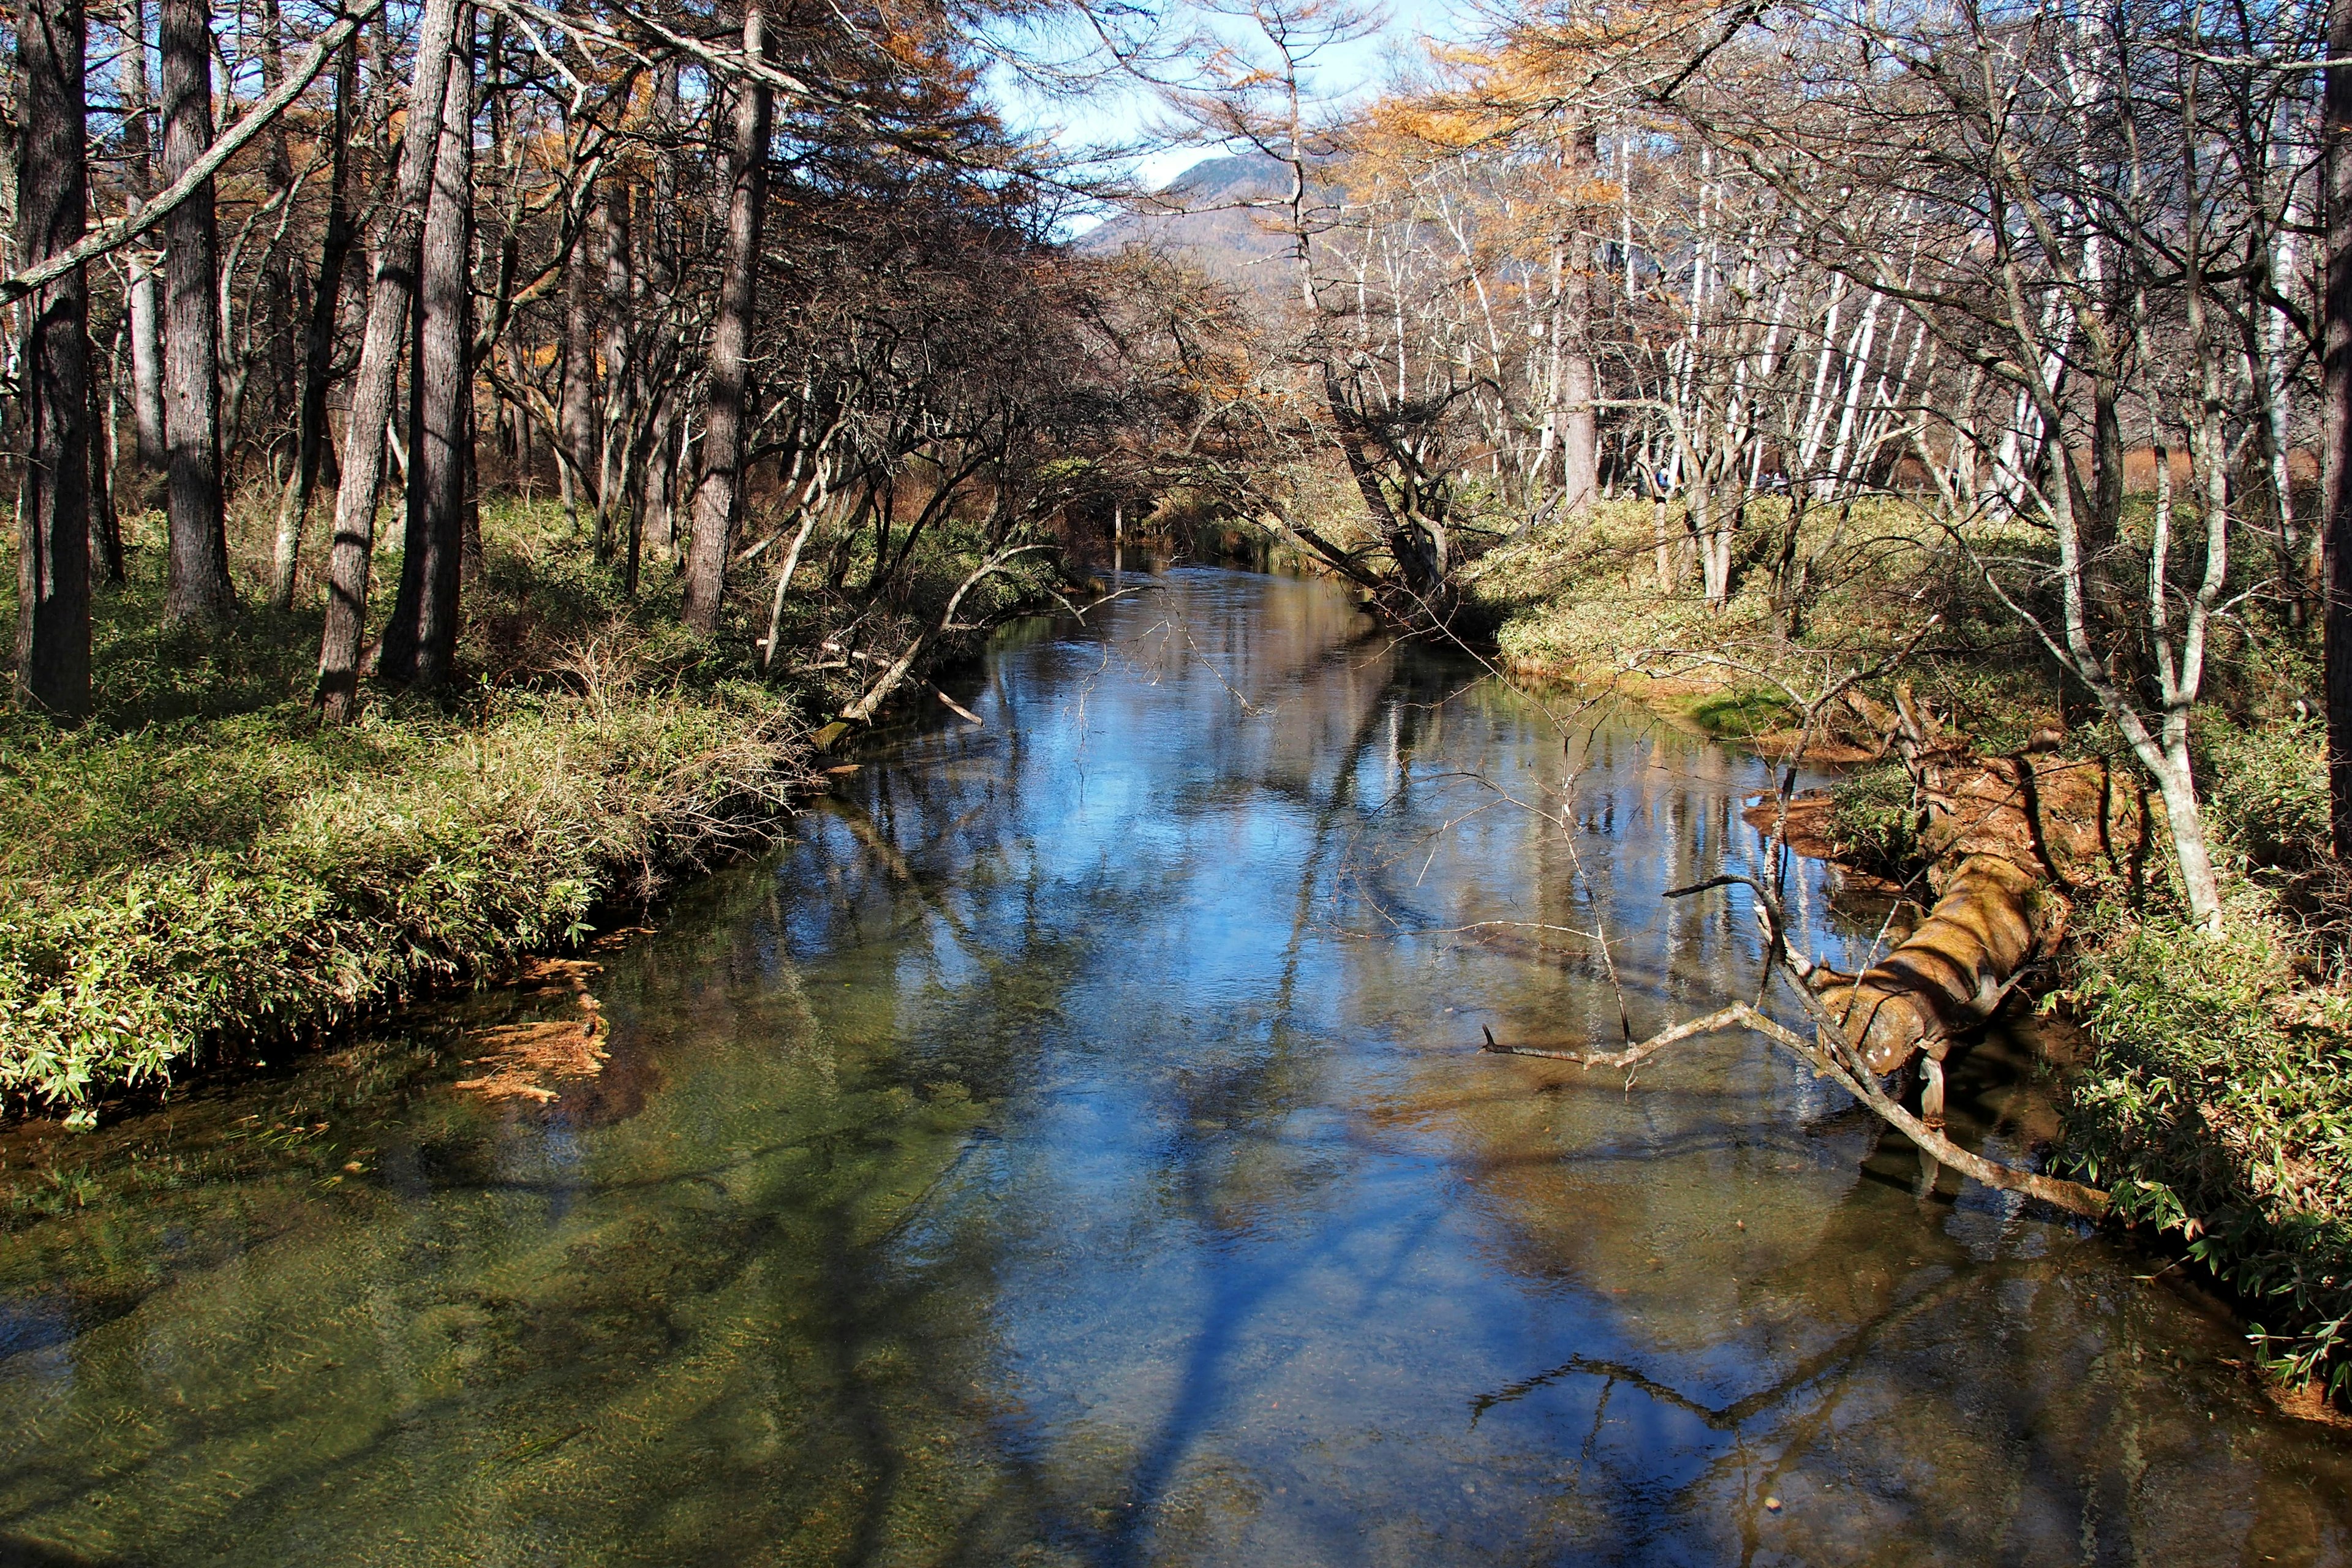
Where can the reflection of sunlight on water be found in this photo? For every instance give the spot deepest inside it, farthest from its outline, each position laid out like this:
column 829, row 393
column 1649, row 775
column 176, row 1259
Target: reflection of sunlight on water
column 1073, row 1148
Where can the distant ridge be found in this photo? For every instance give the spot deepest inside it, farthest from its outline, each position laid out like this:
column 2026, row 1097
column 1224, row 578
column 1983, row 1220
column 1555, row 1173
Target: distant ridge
column 1212, row 231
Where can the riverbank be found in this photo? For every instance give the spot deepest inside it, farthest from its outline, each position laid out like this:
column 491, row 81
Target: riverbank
column 1076, row 1134
column 2216, row 1100
column 208, row 872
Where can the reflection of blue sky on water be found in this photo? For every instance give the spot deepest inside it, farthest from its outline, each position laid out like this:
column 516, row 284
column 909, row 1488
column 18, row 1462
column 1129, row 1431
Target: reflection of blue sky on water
column 1072, row 1148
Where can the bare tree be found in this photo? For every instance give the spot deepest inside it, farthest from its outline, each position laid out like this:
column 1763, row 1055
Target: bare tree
column 146, row 293
column 390, row 298
column 311, row 445
column 421, row 635
column 2336, row 437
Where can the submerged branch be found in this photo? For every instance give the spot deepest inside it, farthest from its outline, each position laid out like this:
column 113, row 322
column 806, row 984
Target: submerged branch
column 1831, row 1059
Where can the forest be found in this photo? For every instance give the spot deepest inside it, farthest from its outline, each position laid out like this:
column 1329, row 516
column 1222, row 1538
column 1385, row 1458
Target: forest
column 476, row 462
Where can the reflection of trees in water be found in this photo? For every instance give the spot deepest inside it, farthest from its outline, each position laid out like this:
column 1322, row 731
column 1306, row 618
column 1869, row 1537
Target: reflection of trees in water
column 1955, row 1408
column 1024, row 1121
column 691, row 1335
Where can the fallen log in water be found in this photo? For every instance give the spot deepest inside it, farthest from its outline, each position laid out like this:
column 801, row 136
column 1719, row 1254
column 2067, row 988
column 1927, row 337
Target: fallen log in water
column 1950, row 975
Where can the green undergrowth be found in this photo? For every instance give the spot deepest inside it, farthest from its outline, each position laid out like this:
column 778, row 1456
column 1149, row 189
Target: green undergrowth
column 1580, row 599
column 1875, row 820
column 2217, row 1104
column 2217, row 1107
column 205, row 868
column 194, row 887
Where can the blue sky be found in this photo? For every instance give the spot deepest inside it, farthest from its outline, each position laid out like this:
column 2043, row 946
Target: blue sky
column 1109, row 115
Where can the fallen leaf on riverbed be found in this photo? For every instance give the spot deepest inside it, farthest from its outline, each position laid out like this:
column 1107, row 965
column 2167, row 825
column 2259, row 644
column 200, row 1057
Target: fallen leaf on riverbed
column 523, row 1059
column 572, row 971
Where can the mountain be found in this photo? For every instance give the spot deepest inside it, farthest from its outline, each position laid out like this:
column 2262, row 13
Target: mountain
column 1200, row 216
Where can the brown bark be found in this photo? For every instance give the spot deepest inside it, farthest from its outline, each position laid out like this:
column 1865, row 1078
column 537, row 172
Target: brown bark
column 2336, row 436
column 390, row 296
column 576, row 417
column 717, row 497
column 656, row 514
column 196, row 581
column 420, row 639
column 613, row 250
column 318, row 342
column 53, row 510
column 1580, row 443
column 1947, row 976
column 105, row 527
column 146, row 300
column 272, row 339
column 147, row 365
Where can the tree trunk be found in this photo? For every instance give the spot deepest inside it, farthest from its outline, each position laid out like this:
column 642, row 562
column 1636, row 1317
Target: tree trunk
column 371, row 391
column 421, row 636
column 196, row 581
column 146, row 293
column 272, row 339
column 53, row 367
column 105, row 527
column 147, row 365
column 1579, row 422
column 2336, row 433
column 1947, row 976
column 613, row 251
column 656, row 508
column 719, row 495
column 318, row 342
column 578, row 413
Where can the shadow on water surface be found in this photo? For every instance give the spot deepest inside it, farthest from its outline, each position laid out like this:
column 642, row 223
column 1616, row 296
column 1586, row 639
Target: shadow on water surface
column 1072, row 1148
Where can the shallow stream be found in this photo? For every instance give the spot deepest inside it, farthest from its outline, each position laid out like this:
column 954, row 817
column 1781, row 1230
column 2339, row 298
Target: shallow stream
column 1072, row 1147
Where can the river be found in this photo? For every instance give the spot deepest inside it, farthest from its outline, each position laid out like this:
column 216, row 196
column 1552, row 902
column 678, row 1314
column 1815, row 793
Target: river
column 1072, row 1147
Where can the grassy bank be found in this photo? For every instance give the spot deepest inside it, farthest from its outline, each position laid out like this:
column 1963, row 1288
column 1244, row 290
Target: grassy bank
column 1581, row 600
column 2217, row 1099
column 207, row 871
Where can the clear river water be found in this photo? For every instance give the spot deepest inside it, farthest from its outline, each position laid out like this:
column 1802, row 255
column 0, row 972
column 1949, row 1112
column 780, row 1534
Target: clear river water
column 1072, row 1147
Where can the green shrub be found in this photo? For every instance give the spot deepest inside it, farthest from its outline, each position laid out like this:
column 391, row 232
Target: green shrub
column 2267, row 787
column 2217, row 1106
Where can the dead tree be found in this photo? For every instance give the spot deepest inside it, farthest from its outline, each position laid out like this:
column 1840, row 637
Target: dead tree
column 1836, row 1003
